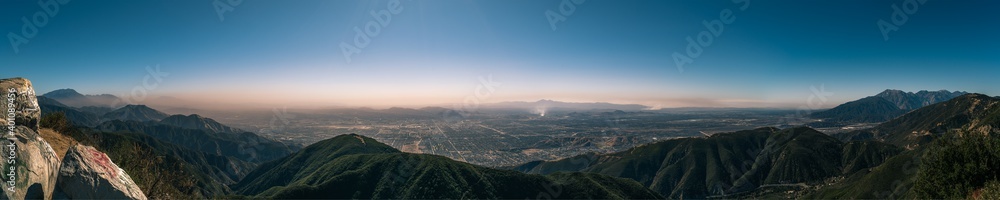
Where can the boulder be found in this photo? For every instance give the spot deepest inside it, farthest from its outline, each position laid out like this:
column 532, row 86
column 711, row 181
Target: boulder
column 34, row 163
column 87, row 173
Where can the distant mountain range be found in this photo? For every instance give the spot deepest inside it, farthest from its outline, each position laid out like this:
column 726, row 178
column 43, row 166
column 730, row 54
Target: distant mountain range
column 74, row 99
column 913, row 101
column 884, row 106
column 75, row 115
column 550, row 105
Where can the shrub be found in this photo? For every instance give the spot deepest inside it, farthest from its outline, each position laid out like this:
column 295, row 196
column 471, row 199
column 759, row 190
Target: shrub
column 955, row 166
column 56, row 121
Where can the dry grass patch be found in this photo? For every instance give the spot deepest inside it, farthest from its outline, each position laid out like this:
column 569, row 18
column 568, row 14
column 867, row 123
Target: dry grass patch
column 59, row 142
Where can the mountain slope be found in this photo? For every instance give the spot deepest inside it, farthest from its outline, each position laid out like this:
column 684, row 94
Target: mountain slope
column 868, row 109
column 245, row 146
column 884, row 106
column 353, row 166
column 974, row 113
column 725, row 163
column 135, row 113
column 859, row 155
column 965, row 116
column 198, row 122
column 890, row 180
column 162, row 169
column 75, row 116
column 913, row 101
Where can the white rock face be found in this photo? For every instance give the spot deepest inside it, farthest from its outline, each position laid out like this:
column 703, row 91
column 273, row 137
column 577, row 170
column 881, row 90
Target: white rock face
column 87, row 173
column 35, row 163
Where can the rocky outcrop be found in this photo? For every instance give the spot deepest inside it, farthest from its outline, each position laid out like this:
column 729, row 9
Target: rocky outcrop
column 87, row 173
column 34, row 162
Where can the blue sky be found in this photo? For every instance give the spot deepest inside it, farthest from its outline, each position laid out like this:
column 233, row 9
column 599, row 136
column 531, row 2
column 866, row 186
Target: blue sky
column 436, row 51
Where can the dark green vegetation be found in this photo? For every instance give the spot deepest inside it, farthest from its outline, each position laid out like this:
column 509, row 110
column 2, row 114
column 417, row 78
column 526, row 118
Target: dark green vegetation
column 56, row 121
column 192, row 131
column 183, row 157
column 949, row 156
column 860, row 155
column 729, row 163
column 74, row 115
column 353, row 166
column 957, row 167
column 975, row 113
column 161, row 169
column 944, row 143
column 245, row 146
column 890, row 180
column 991, row 191
column 800, row 162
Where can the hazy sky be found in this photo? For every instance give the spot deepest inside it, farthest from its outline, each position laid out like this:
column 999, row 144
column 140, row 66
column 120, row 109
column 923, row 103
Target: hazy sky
column 289, row 52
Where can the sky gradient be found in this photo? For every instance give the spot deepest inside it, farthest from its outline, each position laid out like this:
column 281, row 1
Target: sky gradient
column 435, row 52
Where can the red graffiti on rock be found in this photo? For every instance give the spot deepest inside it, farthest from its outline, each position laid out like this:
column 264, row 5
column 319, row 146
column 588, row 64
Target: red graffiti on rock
column 102, row 159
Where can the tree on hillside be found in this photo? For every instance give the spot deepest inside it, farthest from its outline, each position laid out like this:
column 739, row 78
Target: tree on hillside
column 56, row 121
column 957, row 165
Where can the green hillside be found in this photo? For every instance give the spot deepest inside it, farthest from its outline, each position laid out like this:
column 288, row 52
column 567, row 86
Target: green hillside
column 353, row 166
column 729, row 163
column 162, row 169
